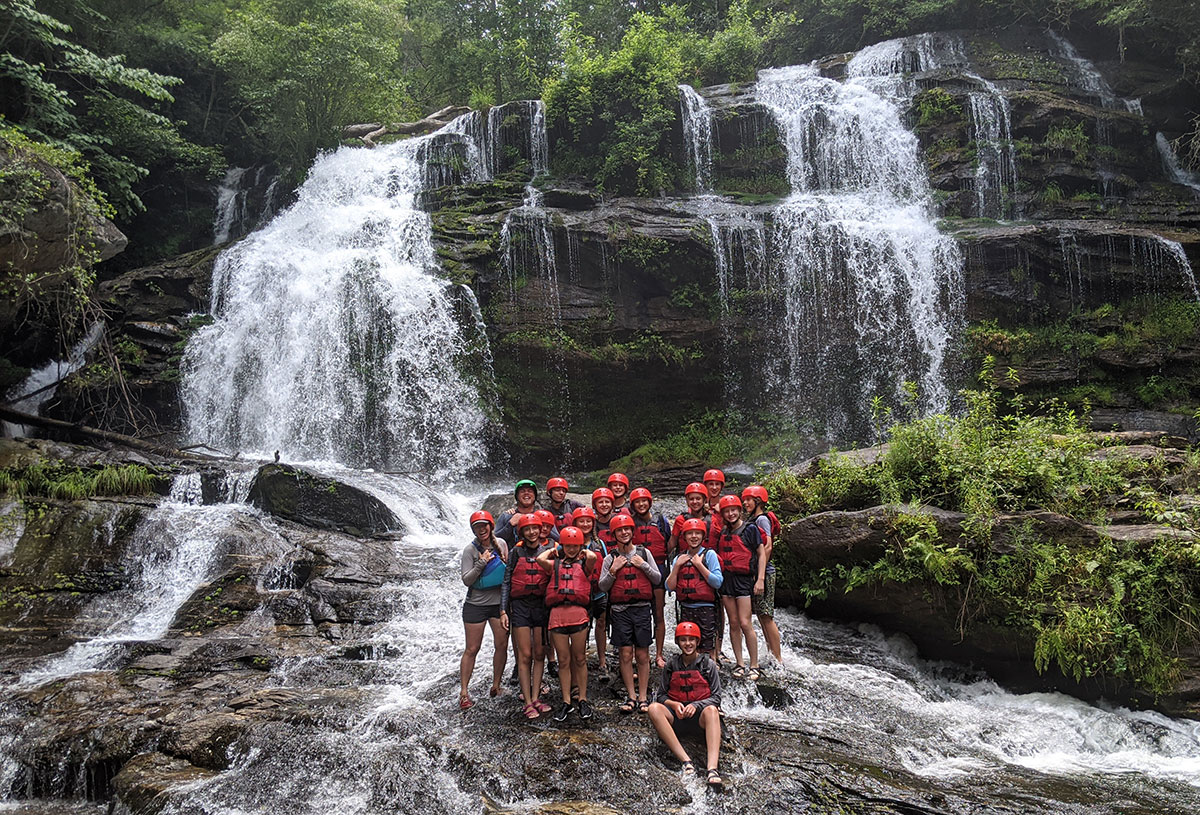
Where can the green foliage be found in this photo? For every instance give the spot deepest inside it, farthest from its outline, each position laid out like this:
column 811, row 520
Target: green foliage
column 936, row 106
column 71, row 483
column 1070, row 138
column 710, row 439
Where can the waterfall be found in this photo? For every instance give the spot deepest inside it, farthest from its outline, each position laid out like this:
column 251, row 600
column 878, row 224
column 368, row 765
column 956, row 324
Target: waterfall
column 239, row 209
column 697, row 136
column 1171, row 165
column 333, row 337
column 1164, row 262
column 1085, row 76
column 873, row 293
column 40, row 386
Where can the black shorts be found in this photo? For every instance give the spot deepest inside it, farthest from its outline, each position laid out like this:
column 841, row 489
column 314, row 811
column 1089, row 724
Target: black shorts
column 598, row 606
column 568, row 630
column 632, row 625
column 479, row 614
column 706, row 618
column 738, row 585
column 528, row 612
column 688, row 728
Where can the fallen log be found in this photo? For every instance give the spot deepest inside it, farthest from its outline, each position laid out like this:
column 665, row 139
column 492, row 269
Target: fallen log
column 370, row 131
column 78, row 430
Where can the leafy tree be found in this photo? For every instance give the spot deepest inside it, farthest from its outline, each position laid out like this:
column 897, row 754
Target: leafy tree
column 306, row 69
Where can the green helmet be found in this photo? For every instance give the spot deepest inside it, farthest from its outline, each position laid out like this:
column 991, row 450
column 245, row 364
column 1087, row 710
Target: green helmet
column 525, row 482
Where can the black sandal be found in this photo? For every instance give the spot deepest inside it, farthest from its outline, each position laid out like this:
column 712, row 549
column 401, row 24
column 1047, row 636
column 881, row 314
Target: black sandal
column 629, row 705
column 687, row 768
column 643, row 706
column 715, row 782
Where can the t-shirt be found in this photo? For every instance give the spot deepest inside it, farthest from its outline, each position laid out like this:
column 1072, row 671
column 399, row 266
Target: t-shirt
column 764, row 527
column 473, row 566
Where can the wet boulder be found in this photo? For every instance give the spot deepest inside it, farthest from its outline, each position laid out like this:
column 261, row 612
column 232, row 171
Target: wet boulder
column 315, row 500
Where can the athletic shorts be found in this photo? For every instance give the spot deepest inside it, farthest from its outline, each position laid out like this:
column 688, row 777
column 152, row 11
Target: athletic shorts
column 632, row 625
column 738, row 585
column 599, row 606
column 479, row 614
column 528, row 612
column 764, row 604
column 688, row 728
column 706, row 618
column 570, row 629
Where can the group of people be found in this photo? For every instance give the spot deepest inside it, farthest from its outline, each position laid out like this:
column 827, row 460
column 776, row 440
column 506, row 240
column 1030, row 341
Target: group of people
column 554, row 571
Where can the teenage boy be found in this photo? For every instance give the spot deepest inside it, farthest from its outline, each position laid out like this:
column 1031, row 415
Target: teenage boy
column 688, row 702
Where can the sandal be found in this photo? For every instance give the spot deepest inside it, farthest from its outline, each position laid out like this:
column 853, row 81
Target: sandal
column 643, row 706
column 531, row 711
column 464, row 702
column 739, row 672
column 541, row 706
column 687, row 768
column 629, row 705
column 752, row 674
column 715, row 782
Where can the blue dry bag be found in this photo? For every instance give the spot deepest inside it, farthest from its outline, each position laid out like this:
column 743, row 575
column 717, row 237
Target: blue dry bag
column 493, row 574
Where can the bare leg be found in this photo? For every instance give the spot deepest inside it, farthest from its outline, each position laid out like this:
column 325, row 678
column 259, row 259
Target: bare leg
column 577, row 656
column 539, row 662
column 747, row 628
column 466, row 666
column 771, row 635
column 602, row 642
column 627, row 670
column 710, row 721
column 522, row 641
column 562, row 648
column 662, row 719
column 720, row 620
column 735, row 631
column 660, row 624
column 643, row 662
column 500, row 654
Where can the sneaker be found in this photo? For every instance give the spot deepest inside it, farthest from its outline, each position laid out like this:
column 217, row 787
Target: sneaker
column 564, row 712
column 585, row 709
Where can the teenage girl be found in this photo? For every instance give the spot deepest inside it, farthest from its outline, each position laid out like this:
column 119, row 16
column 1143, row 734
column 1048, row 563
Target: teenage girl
column 629, row 576
column 483, row 569
column 524, row 612
column 652, row 532
column 754, row 504
column 618, row 484
column 696, row 579
column 602, row 503
column 585, row 521
column 742, row 569
column 558, row 503
column 569, row 566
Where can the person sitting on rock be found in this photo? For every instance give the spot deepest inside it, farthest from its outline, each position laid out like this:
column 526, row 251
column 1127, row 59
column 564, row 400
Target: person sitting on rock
column 696, row 579
column 584, row 520
column 618, row 484
column 652, row 532
column 523, row 611
column 688, row 702
column 754, row 504
column 629, row 575
column 602, row 503
column 570, row 566
column 483, row 567
column 742, row 571
column 525, row 493
column 557, row 502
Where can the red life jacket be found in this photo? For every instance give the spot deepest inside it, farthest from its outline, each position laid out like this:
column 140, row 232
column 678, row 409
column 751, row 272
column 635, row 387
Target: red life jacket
column 528, row 579
column 570, row 584
column 736, row 557
column 650, row 536
column 776, row 526
column 564, row 517
column 691, row 587
column 688, row 685
column 601, row 550
column 604, row 533
column 631, row 585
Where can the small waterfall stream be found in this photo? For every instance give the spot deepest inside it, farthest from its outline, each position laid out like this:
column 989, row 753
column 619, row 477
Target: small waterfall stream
column 1171, row 165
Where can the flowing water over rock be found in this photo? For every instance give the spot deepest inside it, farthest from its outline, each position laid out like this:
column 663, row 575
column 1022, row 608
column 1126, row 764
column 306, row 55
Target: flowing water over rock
column 1171, row 165
column 246, row 199
column 873, row 293
column 39, row 387
column 333, row 339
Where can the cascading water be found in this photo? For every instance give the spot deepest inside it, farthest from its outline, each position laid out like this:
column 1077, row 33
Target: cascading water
column 245, row 200
column 1171, row 165
column 873, row 293
column 40, row 386
column 697, row 136
column 333, row 339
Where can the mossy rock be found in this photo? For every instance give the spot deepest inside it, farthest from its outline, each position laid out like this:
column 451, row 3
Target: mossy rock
column 315, row 500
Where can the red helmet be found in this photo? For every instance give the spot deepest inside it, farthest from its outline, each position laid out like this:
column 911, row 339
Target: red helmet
column 545, row 517
column 693, row 525
column 554, row 483
column 714, row 475
column 570, row 536
column 583, row 512
column 528, row 519
column 687, row 630
column 483, row 515
column 640, row 492
column 756, row 492
column 728, row 501
column 620, row 521
column 619, row 478
column 696, row 487
column 603, row 492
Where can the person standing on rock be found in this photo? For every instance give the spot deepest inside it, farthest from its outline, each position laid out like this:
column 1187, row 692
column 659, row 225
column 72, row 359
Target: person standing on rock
column 688, row 702
column 618, row 484
column 568, row 595
column 525, row 494
column 523, row 611
column 557, row 502
column 742, row 568
column 696, row 498
column 714, row 483
column 754, row 504
column 652, row 532
column 483, row 567
column 602, row 504
column 696, row 579
column 629, row 575
column 584, row 519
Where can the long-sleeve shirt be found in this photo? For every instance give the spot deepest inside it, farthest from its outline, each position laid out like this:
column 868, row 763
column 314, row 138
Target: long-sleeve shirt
column 707, row 668
column 472, row 568
column 715, row 577
column 514, row 556
column 608, row 577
